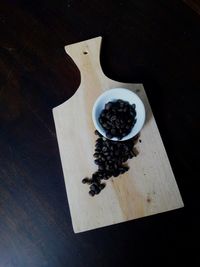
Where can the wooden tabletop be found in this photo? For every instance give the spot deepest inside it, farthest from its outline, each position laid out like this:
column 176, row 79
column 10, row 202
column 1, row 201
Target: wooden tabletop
column 151, row 42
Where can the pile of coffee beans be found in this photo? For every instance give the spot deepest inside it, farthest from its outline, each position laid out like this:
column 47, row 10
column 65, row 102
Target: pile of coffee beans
column 110, row 157
column 118, row 118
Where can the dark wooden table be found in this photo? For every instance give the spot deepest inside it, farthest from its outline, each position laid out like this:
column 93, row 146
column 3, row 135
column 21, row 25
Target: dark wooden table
column 153, row 42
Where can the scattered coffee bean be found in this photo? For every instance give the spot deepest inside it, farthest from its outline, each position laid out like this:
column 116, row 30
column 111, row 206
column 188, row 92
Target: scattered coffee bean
column 104, row 149
column 96, row 161
column 93, row 187
column 94, row 175
column 102, row 186
column 85, row 180
column 97, row 191
column 97, row 133
column 101, row 168
column 92, row 193
column 132, row 154
column 110, row 157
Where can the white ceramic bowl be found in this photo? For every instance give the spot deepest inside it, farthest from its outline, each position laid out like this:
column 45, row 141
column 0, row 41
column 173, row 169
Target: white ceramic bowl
column 112, row 95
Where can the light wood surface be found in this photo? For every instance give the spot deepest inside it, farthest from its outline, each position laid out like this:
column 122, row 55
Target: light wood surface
column 148, row 188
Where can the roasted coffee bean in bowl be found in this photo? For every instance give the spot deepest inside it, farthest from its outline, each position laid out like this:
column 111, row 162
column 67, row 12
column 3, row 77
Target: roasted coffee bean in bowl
column 118, row 114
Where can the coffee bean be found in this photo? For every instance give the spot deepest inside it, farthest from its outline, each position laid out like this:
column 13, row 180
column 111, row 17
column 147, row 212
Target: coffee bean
column 114, row 109
column 101, row 167
column 104, row 125
column 115, row 166
column 100, row 174
column 93, row 187
column 111, row 153
column 133, row 106
column 126, row 148
column 100, row 120
column 107, row 167
column 96, row 161
column 92, row 193
column 132, row 153
column 108, row 116
column 85, row 180
column 104, row 149
column 113, row 118
column 97, row 133
column 103, row 113
column 117, row 153
column 97, row 191
column 97, row 145
column 102, row 186
column 113, row 131
column 109, row 135
column 121, row 170
column 111, row 147
column 126, row 168
column 108, row 106
column 95, row 175
column 116, row 173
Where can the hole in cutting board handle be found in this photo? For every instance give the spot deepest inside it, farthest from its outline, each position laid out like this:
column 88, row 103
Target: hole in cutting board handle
column 85, row 52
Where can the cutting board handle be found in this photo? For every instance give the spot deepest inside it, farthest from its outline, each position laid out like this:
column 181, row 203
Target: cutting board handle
column 86, row 55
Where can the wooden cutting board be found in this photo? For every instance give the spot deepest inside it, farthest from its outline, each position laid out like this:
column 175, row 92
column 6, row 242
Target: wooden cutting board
column 149, row 187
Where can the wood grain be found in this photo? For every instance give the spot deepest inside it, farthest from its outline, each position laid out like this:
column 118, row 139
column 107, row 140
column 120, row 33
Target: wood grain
column 148, row 188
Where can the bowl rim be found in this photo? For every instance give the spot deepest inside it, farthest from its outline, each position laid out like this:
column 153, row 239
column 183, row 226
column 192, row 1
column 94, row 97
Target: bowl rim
column 102, row 96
